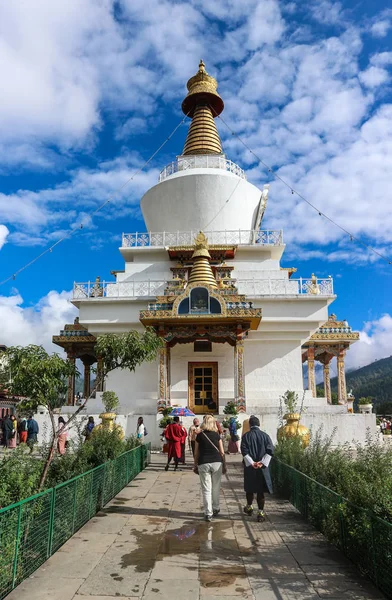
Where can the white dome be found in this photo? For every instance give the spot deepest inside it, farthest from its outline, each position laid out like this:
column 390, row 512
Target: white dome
column 202, row 199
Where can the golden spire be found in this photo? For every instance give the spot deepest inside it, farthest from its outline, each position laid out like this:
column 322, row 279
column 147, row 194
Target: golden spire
column 201, row 270
column 203, row 104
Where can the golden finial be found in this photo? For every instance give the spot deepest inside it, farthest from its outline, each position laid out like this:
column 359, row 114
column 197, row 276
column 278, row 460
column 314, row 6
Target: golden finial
column 202, row 92
column 203, row 104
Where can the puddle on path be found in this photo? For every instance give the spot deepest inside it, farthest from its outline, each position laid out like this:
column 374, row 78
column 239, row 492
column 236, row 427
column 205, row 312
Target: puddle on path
column 206, row 540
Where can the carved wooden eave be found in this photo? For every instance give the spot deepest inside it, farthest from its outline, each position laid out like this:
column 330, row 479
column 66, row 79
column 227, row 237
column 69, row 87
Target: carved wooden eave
column 76, row 339
column 218, row 253
column 330, row 339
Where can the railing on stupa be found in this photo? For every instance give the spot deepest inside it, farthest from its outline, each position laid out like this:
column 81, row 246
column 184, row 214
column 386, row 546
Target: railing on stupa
column 252, row 288
column 238, row 237
column 203, row 161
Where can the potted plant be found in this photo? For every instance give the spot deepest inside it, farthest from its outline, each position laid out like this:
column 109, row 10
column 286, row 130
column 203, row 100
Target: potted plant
column 111, row 404
column 365, row 405
column 230, row 410
column 292, row 416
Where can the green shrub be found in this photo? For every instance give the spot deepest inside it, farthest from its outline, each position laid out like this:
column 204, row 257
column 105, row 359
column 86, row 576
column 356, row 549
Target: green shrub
column 20, row 475
column 166, row 419
column 362, row 475
column 362, row 401
column 20, row 472
column 110, row 401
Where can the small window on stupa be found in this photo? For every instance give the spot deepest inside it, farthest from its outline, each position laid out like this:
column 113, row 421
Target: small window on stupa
column 202, row 346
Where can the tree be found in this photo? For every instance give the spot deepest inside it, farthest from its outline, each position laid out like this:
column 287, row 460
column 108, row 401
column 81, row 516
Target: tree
column 43, row 378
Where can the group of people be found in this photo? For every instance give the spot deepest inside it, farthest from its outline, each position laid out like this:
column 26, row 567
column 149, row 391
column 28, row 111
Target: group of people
column 209, row 460
column 19, row 431
column 386, row 425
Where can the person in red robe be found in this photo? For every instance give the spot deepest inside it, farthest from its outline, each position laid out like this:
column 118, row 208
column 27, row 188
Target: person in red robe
column 176, row 436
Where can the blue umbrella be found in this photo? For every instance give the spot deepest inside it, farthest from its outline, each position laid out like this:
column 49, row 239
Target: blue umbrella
column 182, row 412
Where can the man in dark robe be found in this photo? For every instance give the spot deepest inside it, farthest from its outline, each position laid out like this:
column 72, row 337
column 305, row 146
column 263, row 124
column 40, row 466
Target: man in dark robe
column 176, row 437
column 8, row 428
column 257, row 449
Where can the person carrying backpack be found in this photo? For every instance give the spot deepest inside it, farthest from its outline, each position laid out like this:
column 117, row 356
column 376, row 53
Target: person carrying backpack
column 22, row 430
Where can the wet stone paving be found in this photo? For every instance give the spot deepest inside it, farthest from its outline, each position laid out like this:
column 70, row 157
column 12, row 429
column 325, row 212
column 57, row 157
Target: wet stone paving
column 151, row 542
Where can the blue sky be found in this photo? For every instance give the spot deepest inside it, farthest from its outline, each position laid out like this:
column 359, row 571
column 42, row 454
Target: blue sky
column 91, row 89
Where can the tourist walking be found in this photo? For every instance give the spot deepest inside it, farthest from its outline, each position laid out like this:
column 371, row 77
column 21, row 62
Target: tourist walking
column 193, row 431
column 257, row 449
column 176, row 436
column 234, row 437
column 141, row 430
column 32, row 432
column 14, row 434
column 8, row 429
column 62, row 437
column 209, row 465
column 22, row 430
column 88, row 430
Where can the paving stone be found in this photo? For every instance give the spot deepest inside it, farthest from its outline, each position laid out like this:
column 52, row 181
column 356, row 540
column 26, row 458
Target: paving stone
column 50, row 588
column 89, row 542
column 169, row 589
column 69, row 565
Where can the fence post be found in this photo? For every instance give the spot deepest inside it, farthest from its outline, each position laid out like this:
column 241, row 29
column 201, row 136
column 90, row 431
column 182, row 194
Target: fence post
column 16, row 555
column 103, row 485
column 51, row 522
column 91, row 494
column 74, row 507
column 127, row 466
column 375, row 572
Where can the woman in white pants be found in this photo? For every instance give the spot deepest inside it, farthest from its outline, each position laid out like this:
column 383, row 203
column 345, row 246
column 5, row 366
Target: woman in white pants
column 209, row 461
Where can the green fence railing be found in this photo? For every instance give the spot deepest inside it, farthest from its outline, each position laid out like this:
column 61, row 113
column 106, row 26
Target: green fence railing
column 33, row 529
column 362, row 536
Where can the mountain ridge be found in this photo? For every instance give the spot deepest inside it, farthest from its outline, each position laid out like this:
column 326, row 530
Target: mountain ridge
column 374, row 380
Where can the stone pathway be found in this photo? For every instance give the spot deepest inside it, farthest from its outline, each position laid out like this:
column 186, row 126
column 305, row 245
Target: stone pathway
column 151, row 542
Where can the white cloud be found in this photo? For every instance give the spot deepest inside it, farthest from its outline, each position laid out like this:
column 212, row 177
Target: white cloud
column 374, row 76
column 375, row 343
column 380, row 29
column 327, row 12
column 22, row 325
column 4, row 231
column 48, row 213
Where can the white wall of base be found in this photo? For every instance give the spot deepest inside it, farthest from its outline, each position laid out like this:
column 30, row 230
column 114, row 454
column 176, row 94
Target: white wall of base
column 350, row 428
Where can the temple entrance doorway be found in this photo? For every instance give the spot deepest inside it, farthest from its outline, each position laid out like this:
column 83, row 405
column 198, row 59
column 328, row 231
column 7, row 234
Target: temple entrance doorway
column 203, row 387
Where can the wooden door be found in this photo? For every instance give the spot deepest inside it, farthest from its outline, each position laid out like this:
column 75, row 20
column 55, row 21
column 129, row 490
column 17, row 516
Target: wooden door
column 203, row 387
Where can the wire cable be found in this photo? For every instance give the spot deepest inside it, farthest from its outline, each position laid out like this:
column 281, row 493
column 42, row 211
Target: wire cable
column 80, row 225
column 294, row 191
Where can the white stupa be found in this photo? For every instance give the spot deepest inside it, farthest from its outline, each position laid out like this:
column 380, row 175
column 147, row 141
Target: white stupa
column 236, row 324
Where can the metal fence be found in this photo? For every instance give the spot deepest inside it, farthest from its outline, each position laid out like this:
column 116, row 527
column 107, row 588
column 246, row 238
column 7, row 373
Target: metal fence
column 33, row 529
column 362, row 536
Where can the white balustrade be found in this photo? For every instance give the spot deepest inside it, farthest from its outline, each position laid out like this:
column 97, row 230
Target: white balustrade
column 238, row 237
column 205, row 161
column 249, row 287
